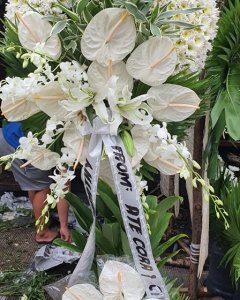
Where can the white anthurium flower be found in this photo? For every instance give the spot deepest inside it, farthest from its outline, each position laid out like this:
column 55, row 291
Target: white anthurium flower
column 172, row 103
column 119, row 281
column 48, row 97
column 16, row 94
column 41, row 158
column 153, row 61
column 98, row 78
column 165, row 158
column 74, row 140
column 82, row 291
column 35, row 34
column 109, row 37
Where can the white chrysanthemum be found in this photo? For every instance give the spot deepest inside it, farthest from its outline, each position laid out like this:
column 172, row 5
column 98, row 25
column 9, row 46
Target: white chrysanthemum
column 42, row 6
column 193, row 44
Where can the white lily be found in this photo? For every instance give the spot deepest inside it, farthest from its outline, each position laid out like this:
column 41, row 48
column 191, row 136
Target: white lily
column 172, row 102
column 153, row 61
column 109, row 36
column 122, row 106
column 77, row 100
column 98, row 78
column 35, row 34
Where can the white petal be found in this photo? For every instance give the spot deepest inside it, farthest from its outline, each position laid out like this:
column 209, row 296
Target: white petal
column 83, row 291
column 34, row 34
column 109, row 36
column 43, row 159
column 98, row 77
column 116, row 274
column 47, row 99
column 172, row 102
column 153, row 61
column 165, row 166
column 18, row 110
column 141, row 144
column 140, row 116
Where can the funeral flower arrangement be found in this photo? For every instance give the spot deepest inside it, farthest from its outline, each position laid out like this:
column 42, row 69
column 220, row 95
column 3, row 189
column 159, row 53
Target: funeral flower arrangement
column 96, row 87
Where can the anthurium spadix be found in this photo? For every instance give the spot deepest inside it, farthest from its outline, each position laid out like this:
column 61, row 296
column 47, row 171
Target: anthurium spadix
column 34, row 34
column 82, row 292
column 109, row 37
column 98, row 78
column 119, row 281
column 153, row 61
column 171, row 102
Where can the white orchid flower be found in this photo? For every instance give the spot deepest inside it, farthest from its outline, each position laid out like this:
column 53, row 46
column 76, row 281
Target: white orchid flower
column 172, row 103
column 40, row 157
column 35, row 34
column 117, row 281
column 98, row 78
column 153, row 61
column 109, row 37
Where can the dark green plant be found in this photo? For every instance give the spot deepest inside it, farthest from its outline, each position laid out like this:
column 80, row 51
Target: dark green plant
column 111, row 237
column 223, row 70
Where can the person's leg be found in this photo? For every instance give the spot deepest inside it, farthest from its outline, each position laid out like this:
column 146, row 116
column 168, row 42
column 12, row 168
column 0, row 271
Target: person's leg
column 37, row 198
column 62, row 207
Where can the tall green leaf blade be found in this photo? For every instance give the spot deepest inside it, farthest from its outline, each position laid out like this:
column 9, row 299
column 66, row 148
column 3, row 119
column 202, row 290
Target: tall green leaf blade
column 111, row 231
column 125, row 244
column 159, row 230
column 66, row 245
column 79, row 239
column 164, row 246
column 103, row 243
column 232, row 109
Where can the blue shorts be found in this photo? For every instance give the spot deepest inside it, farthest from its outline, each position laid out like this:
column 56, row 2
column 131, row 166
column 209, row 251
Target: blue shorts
column 28, row 178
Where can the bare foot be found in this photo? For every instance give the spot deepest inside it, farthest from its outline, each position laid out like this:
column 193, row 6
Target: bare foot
column 46, row 236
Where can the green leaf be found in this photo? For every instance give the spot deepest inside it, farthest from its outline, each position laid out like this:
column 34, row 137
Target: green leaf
column 79, row 239
column 105, row 188
column 172, row 13
column 167, row 203
column 232, row 109
column 66, row 245
column 157, row 251
column 167, row 258
column 133, row 10
column 104, row 211
column 111, row 231
column 59, row 27
column 81, row 211
column 125, row 244
column 159, row 229
column 152, row 201
column 112, row 206
column 103, row 243
column 218, row 107
column 155, row 30
column 90, row 113
column 81, row 5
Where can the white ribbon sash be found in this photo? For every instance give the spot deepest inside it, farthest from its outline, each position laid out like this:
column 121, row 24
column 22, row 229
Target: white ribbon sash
column 131, row 209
